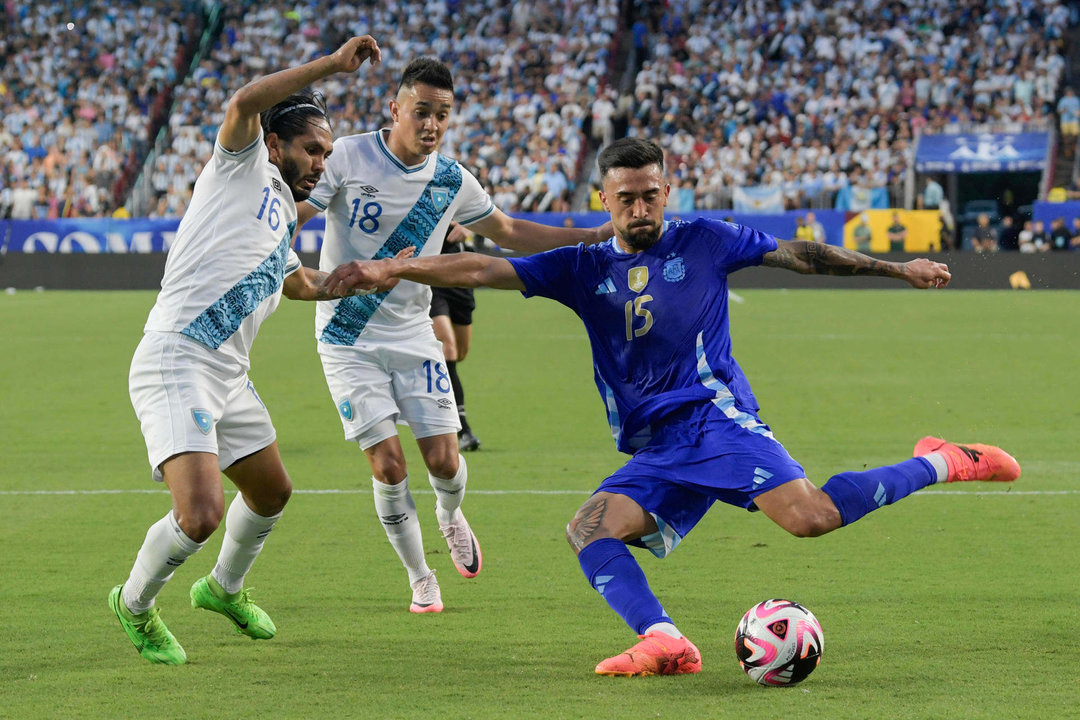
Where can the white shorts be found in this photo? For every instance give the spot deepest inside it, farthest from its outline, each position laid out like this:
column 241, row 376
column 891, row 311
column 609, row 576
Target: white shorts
column 189, row 398
column 404, row 381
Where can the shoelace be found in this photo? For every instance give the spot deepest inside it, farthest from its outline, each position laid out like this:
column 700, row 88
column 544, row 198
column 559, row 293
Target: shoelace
column 428, row 590
column 153, row 628
column 461, row 539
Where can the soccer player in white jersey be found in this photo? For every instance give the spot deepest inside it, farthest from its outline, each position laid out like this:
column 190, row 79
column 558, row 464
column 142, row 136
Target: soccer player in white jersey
column 383, row 192
column 200, row 415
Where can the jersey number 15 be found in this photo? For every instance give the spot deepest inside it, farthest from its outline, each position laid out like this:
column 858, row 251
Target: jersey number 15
column 636, row 309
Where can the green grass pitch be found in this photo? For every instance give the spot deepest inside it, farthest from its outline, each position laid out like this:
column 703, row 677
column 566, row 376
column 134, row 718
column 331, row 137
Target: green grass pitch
column 959, row 602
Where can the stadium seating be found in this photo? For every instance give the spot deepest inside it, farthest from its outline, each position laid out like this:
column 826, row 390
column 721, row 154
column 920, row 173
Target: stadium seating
column 82, row 86
column 815, row 99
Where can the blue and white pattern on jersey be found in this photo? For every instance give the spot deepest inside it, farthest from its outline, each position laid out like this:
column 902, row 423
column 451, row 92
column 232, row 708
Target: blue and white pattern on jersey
column 217, row 323
column 724, row 399
column 351, row 314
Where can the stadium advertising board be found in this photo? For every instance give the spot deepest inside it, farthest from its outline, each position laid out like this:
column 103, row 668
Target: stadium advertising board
column 982, row 152
column 110, row 235
column 143, row 235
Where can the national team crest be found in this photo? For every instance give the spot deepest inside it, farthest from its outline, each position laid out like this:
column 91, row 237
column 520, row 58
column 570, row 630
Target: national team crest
column 674, row 270
column 637, row 278
column 345, row 407
column 440, row 198
column 203, row 420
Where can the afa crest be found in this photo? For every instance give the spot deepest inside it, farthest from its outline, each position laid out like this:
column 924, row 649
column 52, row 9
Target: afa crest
column 637, row 278
column 345, row 408
column 674, row 270
column 440, row 198
column 203, row 420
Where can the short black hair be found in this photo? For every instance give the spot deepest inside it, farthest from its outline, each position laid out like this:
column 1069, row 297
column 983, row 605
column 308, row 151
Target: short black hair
column 293, row 115
column 427, row 71
column 630, row 153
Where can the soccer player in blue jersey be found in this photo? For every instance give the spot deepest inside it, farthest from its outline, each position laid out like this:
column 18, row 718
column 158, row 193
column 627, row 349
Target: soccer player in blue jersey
column 654, row 302
column 228, row 267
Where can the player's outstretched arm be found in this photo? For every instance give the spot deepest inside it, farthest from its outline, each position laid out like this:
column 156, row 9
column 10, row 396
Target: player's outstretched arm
column 241, row 125
column 529, row 237
column 463, row 270
column 307, row 284
column 814, row 258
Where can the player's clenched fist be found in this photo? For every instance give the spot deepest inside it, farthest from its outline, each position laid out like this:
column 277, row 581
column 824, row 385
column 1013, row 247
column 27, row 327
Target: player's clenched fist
column 350, row 56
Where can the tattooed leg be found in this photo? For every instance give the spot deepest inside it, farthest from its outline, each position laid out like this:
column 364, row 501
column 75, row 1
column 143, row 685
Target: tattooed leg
column 598, row 534
column 608, row 515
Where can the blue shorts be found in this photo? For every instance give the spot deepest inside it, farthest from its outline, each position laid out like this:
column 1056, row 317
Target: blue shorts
column 697, row 457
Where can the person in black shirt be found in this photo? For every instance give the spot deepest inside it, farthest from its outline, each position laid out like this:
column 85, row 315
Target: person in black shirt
column 451, row 318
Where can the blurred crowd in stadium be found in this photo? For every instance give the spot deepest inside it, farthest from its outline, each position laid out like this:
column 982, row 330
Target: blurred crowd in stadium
column 112, row 107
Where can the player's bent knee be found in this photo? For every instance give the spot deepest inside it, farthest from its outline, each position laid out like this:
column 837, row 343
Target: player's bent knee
column 199, row 523
column 444, row 466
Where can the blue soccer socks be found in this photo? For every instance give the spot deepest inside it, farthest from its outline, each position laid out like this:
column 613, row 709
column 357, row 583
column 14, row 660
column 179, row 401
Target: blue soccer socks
column 616, row 575
column 857, row 493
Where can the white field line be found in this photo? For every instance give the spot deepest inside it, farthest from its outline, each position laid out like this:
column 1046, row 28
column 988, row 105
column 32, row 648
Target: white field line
column 366, row 491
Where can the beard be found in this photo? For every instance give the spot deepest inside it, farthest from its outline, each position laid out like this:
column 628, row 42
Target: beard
column 643, row 237
column 290, row 173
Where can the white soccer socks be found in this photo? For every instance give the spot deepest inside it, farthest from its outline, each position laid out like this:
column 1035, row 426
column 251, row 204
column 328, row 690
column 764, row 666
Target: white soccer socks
column 449, row 492
column 165, row 548
column 397, row 512
column 245, row 534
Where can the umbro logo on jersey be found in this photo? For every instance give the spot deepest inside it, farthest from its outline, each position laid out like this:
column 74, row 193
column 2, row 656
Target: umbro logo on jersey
column 605, row 288
column 445, row 403
column 276, row 184
column 203, row 420
column 369, row 189
column 396, row 519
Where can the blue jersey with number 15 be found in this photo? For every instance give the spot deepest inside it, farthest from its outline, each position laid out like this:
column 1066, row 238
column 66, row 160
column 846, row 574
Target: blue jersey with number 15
column 657, row 320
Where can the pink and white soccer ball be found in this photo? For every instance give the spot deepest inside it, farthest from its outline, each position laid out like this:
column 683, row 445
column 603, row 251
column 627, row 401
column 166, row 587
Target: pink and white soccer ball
column 779, row 642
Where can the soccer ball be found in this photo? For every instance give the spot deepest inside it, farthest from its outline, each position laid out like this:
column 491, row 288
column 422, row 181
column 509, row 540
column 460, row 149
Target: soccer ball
column 779, row 642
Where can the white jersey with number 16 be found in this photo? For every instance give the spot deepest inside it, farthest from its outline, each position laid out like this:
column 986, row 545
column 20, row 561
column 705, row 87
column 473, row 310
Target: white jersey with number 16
column 231, row 254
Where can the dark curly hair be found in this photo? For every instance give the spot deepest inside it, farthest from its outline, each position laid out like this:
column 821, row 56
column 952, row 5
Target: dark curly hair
column 293, row 115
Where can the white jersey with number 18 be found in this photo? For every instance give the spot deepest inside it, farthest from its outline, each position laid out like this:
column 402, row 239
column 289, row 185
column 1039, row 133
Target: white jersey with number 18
column 375, row 207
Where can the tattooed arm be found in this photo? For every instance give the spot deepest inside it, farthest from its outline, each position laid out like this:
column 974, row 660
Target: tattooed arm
column 815, row 258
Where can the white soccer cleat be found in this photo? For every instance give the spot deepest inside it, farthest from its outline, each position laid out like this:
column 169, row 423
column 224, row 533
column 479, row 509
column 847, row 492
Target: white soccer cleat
column 464, row 549
column 426, row 596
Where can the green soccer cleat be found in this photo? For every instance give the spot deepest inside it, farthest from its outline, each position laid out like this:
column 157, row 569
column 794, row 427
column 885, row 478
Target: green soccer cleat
column 247, row 617
column 147, row 632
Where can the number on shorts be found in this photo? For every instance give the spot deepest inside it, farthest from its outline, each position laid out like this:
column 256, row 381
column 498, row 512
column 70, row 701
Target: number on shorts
column 441, row 379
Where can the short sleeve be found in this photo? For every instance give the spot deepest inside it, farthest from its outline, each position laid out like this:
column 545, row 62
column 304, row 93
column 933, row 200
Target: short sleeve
column 292, row 263
column 252, row 153
column 550, row 274
column 330, row 182
column 475, row 204
column 737, row 246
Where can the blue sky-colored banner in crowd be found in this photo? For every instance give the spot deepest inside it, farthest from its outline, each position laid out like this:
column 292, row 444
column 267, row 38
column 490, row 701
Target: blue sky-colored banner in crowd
column 983, row 152
column 760, row 199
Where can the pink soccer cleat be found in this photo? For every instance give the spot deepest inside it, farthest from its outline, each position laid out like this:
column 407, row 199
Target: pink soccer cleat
column 656, row 654
column 971, row 462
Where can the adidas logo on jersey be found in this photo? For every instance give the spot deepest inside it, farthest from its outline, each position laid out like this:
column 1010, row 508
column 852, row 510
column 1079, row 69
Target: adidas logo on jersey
column 605, row 288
